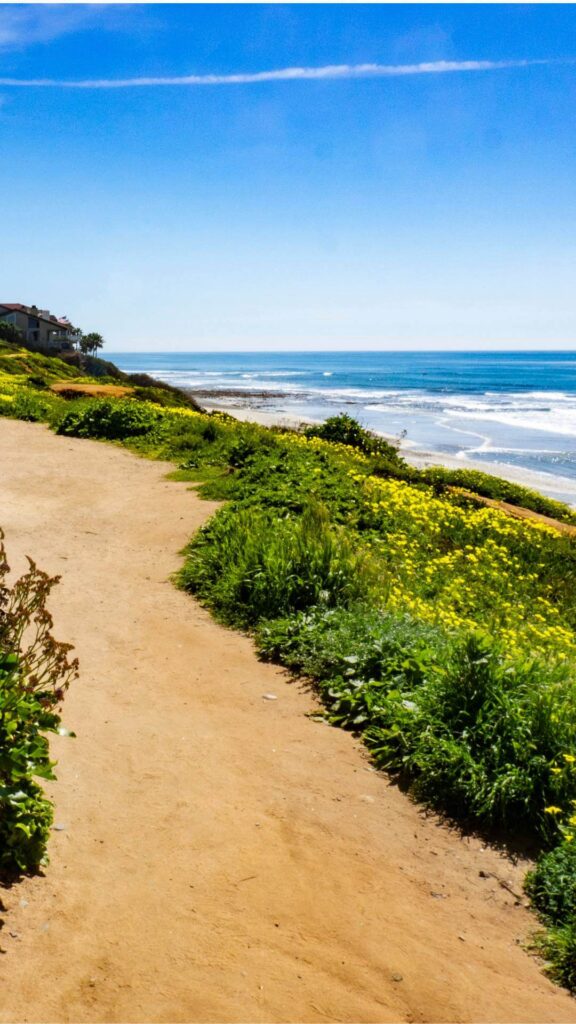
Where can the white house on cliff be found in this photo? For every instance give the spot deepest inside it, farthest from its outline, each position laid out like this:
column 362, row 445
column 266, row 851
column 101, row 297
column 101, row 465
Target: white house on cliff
column 40, row 329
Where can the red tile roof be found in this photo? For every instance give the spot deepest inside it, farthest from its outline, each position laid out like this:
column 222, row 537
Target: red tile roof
column 17, row 307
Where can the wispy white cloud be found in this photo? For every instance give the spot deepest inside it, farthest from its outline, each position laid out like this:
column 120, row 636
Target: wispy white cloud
column 331, row 71
column 24, row 25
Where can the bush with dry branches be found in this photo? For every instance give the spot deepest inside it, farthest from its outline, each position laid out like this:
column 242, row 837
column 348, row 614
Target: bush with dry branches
column 35, row 672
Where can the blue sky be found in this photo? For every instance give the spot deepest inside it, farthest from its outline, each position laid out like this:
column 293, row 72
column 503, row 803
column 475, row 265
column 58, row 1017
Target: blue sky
column 431, row 208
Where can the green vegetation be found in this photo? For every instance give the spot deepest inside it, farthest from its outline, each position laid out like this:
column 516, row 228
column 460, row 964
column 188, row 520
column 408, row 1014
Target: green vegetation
column 35, row 672
column 552, row 888
column 552, row 884
column 90, row 343
column 493, row 487
column 10, row 333
column 249, row 564
column 442, row 632
column 345, row 430
column 24, row 365
column 108, row 419
column 23, row 374
column 471, row 731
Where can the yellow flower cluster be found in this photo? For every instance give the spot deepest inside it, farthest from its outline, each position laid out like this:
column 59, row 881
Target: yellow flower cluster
column 10, row 384
column 457, row 566
column 319, row 444
column 176, row 410
column 565, row 818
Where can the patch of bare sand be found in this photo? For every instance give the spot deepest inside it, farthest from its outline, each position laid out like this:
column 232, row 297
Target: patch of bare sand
column 224, row 858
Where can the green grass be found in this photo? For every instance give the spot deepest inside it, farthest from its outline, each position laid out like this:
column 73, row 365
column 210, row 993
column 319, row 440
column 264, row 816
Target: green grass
column 252, row 564
column 43, row 369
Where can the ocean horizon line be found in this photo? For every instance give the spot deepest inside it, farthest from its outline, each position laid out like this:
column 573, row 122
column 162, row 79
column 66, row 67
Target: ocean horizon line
column 340, row 351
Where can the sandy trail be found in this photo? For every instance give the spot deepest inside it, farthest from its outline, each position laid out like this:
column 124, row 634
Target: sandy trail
column 224, row 857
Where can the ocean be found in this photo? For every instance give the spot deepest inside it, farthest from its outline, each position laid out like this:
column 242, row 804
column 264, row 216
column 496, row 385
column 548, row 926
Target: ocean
column 515, row 409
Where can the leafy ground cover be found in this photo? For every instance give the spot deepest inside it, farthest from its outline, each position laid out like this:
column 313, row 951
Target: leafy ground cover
column 442, row 632
column 27, row 377
column 35, row 672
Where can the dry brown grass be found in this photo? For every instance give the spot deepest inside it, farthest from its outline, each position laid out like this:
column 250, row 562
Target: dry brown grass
column 93, row 390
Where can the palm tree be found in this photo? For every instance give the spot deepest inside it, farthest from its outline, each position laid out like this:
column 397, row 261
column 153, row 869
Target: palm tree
column 91, row 342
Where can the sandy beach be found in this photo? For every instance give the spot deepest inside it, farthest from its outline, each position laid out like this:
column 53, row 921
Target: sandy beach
column 219, row 855
column 559, row 487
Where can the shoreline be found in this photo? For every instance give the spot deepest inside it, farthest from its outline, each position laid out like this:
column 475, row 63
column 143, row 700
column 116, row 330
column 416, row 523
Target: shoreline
column 558, row 487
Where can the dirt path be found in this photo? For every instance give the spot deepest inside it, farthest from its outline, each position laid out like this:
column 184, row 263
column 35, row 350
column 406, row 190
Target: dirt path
column 224, row 857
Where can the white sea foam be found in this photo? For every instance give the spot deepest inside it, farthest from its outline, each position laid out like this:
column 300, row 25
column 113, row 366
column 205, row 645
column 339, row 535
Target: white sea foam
column 550, row 396
column 552, row 421
column 361, row 394
column 551, row 412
